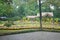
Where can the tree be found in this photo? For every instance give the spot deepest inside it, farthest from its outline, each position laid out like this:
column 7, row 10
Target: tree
column 25, row 7
column 46, row 6
column 6, row 8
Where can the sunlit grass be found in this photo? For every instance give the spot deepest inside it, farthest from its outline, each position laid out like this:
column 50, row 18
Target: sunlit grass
column 24, row 26
column 31, row 24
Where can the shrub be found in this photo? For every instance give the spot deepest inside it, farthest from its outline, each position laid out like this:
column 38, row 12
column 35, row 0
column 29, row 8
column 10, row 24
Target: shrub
column 37, row 19
column 1, row 22
column 9, row 23
column 56, row 20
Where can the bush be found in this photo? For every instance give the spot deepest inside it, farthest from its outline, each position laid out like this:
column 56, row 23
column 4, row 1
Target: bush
column 37, row 19
column 24, row 18
column 9, row 23
column 1, row 22
column 56, row 20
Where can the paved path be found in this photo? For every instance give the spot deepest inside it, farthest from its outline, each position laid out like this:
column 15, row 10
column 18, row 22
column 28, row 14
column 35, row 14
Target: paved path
column 33, row 36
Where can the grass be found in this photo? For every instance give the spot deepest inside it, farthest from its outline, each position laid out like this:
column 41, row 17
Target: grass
column 30, row 24
column 8, row 32
column 27, row 26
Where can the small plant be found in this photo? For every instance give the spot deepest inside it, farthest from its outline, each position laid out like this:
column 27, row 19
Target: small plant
column 24, row 18
column 37, row 19
column 56, row 20
column 1, row 22
column 8, row 24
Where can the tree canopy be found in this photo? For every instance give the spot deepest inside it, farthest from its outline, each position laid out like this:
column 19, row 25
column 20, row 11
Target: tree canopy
column 47, row 4
column 22, row 8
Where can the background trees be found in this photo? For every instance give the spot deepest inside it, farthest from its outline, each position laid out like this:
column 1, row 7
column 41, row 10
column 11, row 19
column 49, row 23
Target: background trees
column 6, row 8
column 22, row 8
column 54, row 4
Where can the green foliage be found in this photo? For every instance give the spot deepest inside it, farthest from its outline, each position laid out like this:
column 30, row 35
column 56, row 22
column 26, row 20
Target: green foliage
column 5, row 9
column 1, row 22
column 24, row 18
column 21, row 11
column 46, row 7
column 27, row 7
column 9, row 24
column 37, row 19
column 56, row 19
